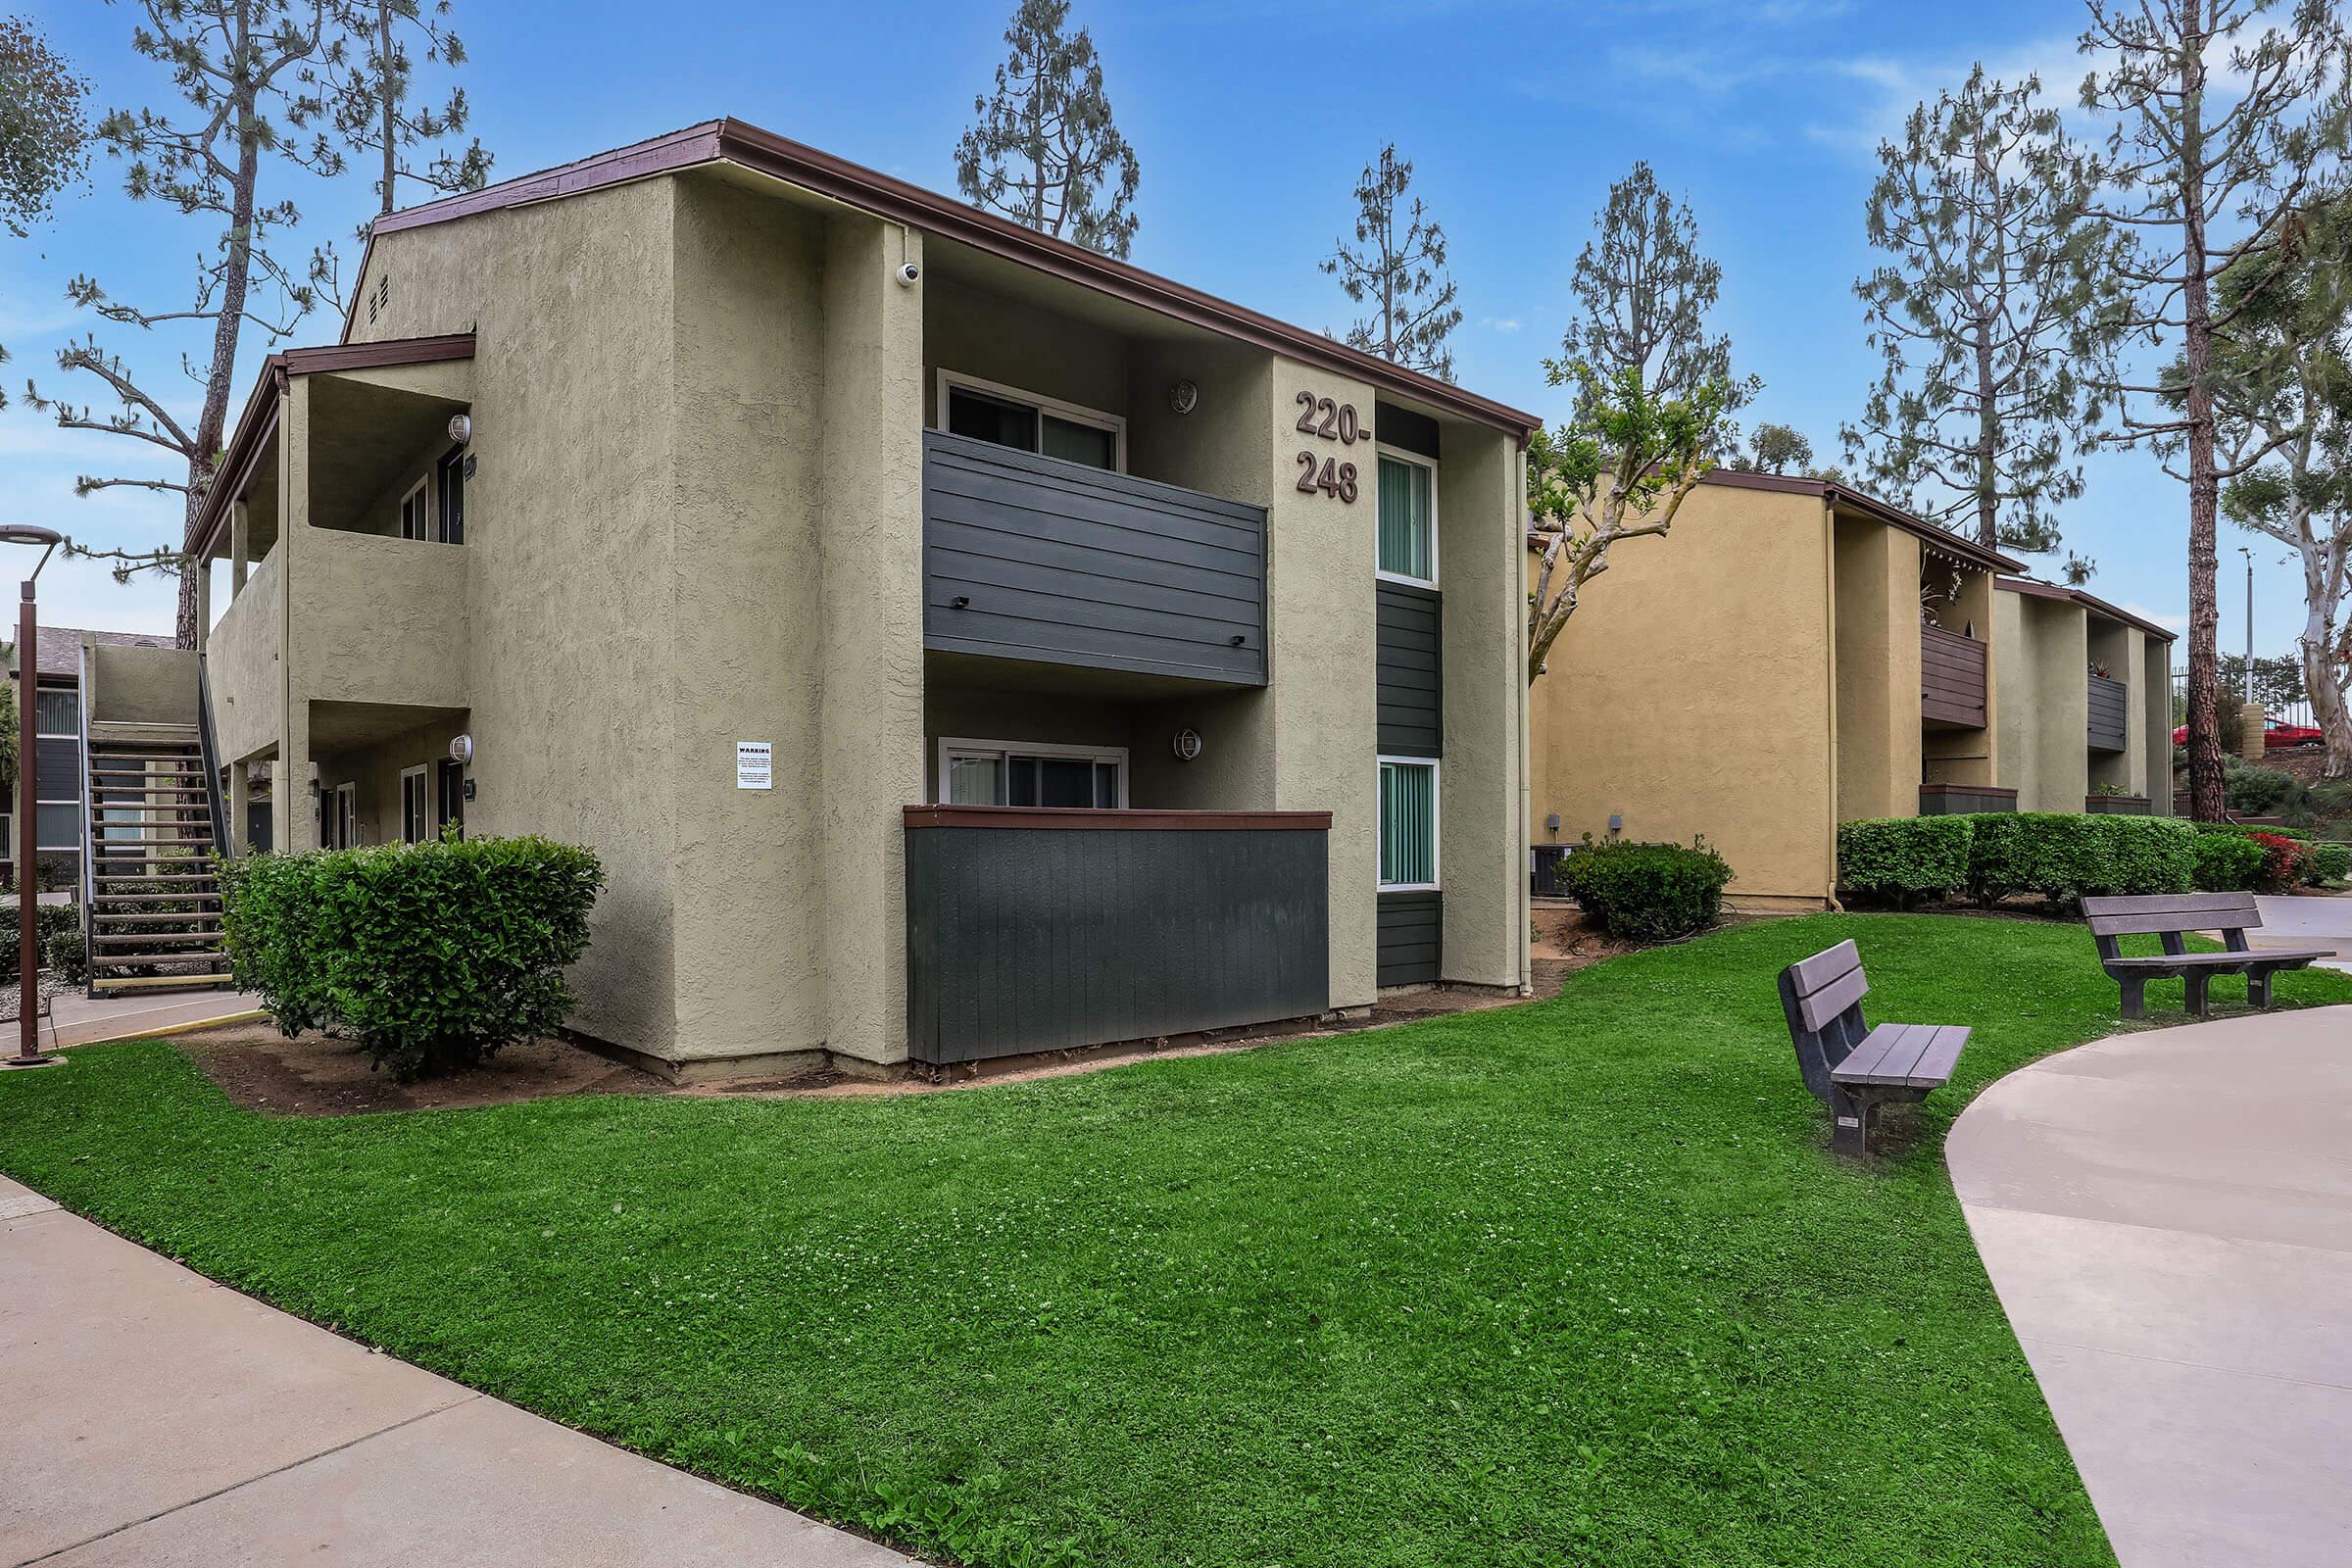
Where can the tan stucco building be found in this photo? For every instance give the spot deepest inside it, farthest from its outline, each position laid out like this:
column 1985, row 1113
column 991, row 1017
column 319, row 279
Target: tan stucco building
column 1792, row 655
column 2086, row 702
column 786, row 532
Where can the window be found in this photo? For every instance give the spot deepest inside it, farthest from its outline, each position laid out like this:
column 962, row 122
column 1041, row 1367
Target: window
column 415, row 807
column 450, row 502
column 347, row 815
column 1408, row 519
column 1023, row 774
column 416, row 513
column 1408, row 823
column 1012, row 417
column 58, row 824
column 57, row 713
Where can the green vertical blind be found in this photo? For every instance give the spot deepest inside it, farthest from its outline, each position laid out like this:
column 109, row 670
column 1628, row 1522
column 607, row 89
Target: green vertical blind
column 1408, row 537
column 1409, row 824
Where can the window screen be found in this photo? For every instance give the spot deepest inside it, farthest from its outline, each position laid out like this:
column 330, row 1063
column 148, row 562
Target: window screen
column 1407, row 542
column 1409, row 824
column 57, row 711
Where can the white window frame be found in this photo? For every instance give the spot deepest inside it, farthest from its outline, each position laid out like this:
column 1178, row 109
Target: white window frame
column 421, row 492
column 1416, row 459
column 1437, row 824
column 949, row 746
column 425, row 802
column 1075, row 412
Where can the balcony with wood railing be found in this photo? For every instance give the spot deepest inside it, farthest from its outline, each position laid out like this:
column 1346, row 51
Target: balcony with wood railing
column 1951, row 678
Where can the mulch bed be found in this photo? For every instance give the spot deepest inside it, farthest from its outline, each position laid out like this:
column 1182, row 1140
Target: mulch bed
column 312, row 1075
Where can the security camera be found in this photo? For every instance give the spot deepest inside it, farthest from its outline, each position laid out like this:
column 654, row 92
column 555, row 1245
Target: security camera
column 907, row 274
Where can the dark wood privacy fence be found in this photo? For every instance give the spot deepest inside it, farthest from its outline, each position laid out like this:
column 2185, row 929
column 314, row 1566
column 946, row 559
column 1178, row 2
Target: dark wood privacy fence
column 1036, row 559
column 2110, row 715
column 1040, row 929
column 1952, row 678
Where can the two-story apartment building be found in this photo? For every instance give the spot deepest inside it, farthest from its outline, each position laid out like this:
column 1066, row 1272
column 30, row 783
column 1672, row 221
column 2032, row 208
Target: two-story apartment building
column 956, row 643
column 1792, row 655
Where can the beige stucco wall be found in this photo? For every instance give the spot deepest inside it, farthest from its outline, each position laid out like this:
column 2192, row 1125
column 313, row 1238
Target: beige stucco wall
column 383, row 620
column 243, row 656
column 2155, row 705
column 1482, row 813
column 1877, row 670
column 141, row 685
column 572, row 643
column 1019, row 344
column 2045, row 701
column 1690, row 693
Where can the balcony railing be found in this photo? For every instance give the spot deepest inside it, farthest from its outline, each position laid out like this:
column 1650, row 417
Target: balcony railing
column 1952, row 678
column 1035, row 929
column 1036, row 559
column 2110, row 727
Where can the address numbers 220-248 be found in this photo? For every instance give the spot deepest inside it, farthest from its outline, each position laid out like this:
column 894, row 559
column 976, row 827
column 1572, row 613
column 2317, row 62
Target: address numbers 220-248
column 1329, row 420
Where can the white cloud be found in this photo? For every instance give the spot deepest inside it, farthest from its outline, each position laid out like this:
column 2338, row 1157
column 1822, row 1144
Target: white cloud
column 1499, row 324
column 2167, row 621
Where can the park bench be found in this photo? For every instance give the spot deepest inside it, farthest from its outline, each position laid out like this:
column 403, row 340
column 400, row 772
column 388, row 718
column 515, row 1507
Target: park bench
column 2169, row 916
column 1849, row 1065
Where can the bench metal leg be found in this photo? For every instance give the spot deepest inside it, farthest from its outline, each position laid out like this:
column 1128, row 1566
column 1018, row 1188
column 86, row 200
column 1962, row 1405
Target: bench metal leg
column 2258, row 987
column 2195, row 982
column 2136, row 995
column 1853, row 1120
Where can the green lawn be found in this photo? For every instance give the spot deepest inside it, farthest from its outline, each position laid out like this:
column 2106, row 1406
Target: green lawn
column 1572, row 1283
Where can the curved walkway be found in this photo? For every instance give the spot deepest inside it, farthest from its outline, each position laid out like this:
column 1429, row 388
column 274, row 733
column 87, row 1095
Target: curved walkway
column 2168, row 1219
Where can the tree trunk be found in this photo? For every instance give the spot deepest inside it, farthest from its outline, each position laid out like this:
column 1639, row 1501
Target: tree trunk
column 1988, row 443
column 234, row 285
column 391, row 126
column 2204, row 483
column 2328, row 707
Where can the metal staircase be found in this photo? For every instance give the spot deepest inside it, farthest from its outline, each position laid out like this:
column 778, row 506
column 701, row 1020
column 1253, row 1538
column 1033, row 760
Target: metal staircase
column 150, row 829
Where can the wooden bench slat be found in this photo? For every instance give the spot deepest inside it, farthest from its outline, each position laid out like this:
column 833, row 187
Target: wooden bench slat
column 2127, row 926
column 1910, row 1056
column 2174, row 962
column 1872, row 1054
column 1825, row 1005
column 2168, row 902
column 1825, row 966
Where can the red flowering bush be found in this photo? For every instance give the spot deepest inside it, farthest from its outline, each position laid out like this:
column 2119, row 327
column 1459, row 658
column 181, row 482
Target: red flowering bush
column 2283, row 862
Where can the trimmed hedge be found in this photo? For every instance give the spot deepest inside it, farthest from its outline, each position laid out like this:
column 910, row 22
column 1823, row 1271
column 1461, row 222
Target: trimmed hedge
column 1896, row 859
column 1646, row 892
column 2330, row 862
column 2227, row 862
column 430, row 955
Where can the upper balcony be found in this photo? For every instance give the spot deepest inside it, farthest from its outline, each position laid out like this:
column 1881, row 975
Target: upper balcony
column 1952, row 678
column 1057, row 561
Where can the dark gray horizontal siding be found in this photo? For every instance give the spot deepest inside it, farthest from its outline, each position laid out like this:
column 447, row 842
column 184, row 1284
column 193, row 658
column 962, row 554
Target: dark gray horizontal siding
column 56, row 769
column 1060, row 563
column 1021, row 941
column 1411, row 679
column 1407, row 940
column 2110, row 715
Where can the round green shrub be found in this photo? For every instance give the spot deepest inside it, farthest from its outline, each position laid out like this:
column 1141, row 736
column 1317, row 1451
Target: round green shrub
column 2227, row 862
column 1646, row 892
column 1899, row 860
column 430, row 955
column 2143, row 855
column 2330, row 862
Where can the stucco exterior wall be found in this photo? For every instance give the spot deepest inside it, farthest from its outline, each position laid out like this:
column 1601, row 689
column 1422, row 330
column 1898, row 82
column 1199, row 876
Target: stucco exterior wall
column 376, row 772
column 141, row 685
column 571, row 640
column 1877, row 670
column 1689, row 695
column 243, row 656
column 2045, row 701
column 1015, row 343
column 383, row 620
column 1482, row 852
column 2154, row 704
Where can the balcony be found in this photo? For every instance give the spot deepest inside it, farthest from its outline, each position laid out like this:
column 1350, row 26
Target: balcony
column 1951, row 678
column 1036, row 929
column 2110, row 727
column 1034, row 559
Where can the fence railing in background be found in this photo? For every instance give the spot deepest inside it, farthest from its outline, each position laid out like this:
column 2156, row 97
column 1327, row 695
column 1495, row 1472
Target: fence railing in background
column 2276, row 712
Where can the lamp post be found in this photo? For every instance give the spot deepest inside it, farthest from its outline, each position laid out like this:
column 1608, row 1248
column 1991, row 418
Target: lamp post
column 29, row 880
column 2249, row 555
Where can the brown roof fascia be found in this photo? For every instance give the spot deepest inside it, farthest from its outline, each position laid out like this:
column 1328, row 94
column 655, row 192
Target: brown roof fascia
column 259, row 422
column 869, row 191
column 2033, row 587
column 1852, row 500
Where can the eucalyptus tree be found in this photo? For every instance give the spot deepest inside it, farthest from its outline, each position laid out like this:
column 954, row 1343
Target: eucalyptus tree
column 1996, row 320
column 1397, row 265
column 2225, row 113
column 1775, row 449
column 44, row 133
column 1046, row 151
column 2283, row 411
column 1654, row 400
column 239, row 69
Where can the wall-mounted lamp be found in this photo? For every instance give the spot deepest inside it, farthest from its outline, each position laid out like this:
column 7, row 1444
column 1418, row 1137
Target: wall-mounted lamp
column 460, row 428
column 1185, row 396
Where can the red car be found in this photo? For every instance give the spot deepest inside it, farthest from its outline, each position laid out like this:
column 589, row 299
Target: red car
column 2275, row 735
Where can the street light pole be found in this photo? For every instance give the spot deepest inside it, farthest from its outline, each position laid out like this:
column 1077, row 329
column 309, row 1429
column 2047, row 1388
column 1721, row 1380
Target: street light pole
column 2249, row 555
column 29, row 877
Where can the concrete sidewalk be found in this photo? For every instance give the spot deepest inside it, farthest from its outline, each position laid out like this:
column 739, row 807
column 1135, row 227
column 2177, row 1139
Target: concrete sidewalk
column 2168, row 1219
column 152, row 1417
column 2308, row 922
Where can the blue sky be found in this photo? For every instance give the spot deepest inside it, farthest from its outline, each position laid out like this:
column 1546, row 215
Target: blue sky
column 1251, row 122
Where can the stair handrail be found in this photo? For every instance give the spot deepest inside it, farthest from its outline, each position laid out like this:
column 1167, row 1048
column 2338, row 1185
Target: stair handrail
column 209, row 753
column 82, row 693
